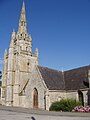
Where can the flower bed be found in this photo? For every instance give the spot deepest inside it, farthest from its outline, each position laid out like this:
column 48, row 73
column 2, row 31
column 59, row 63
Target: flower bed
column 81, row 109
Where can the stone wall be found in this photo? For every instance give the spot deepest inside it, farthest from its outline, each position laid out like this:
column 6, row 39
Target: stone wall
column 35, row 81
column 56, row 96
column 74, row 94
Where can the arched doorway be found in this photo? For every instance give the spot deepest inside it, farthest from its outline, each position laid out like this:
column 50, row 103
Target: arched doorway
column 35, row 98
column 80, row 95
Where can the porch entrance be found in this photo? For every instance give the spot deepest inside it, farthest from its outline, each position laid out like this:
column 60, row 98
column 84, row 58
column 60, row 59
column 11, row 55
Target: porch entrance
column 35, row 98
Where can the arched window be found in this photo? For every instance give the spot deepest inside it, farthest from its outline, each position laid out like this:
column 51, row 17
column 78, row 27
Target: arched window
column 35, row 98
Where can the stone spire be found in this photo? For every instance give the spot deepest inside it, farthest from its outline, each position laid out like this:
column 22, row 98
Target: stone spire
column 22, row 29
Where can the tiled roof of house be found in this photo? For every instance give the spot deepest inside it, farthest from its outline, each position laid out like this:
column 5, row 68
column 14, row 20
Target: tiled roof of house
column 53, row 78
column 69, row 80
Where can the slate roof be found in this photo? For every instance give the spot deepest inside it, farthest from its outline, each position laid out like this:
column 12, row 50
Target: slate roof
column 74, row 79
column 77, row 78
column 53, row 78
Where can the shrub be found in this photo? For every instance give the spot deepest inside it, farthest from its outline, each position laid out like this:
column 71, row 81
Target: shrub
column 64, row 105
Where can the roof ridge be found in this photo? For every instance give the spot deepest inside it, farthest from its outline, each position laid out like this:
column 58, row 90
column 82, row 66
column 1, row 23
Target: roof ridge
column 50, row 68
column 77, row 68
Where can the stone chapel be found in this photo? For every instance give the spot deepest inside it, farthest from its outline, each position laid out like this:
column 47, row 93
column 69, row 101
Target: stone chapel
column 26, row 84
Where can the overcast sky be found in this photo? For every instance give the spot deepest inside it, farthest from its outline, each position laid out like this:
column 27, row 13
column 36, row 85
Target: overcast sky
column 60, row 30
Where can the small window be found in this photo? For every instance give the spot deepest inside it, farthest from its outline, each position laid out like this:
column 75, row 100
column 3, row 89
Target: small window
column 24, row 23
column 28, row 63
column 21, row 23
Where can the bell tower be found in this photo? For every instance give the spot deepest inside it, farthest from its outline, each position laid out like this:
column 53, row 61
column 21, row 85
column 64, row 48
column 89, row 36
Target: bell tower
column 19, row 63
